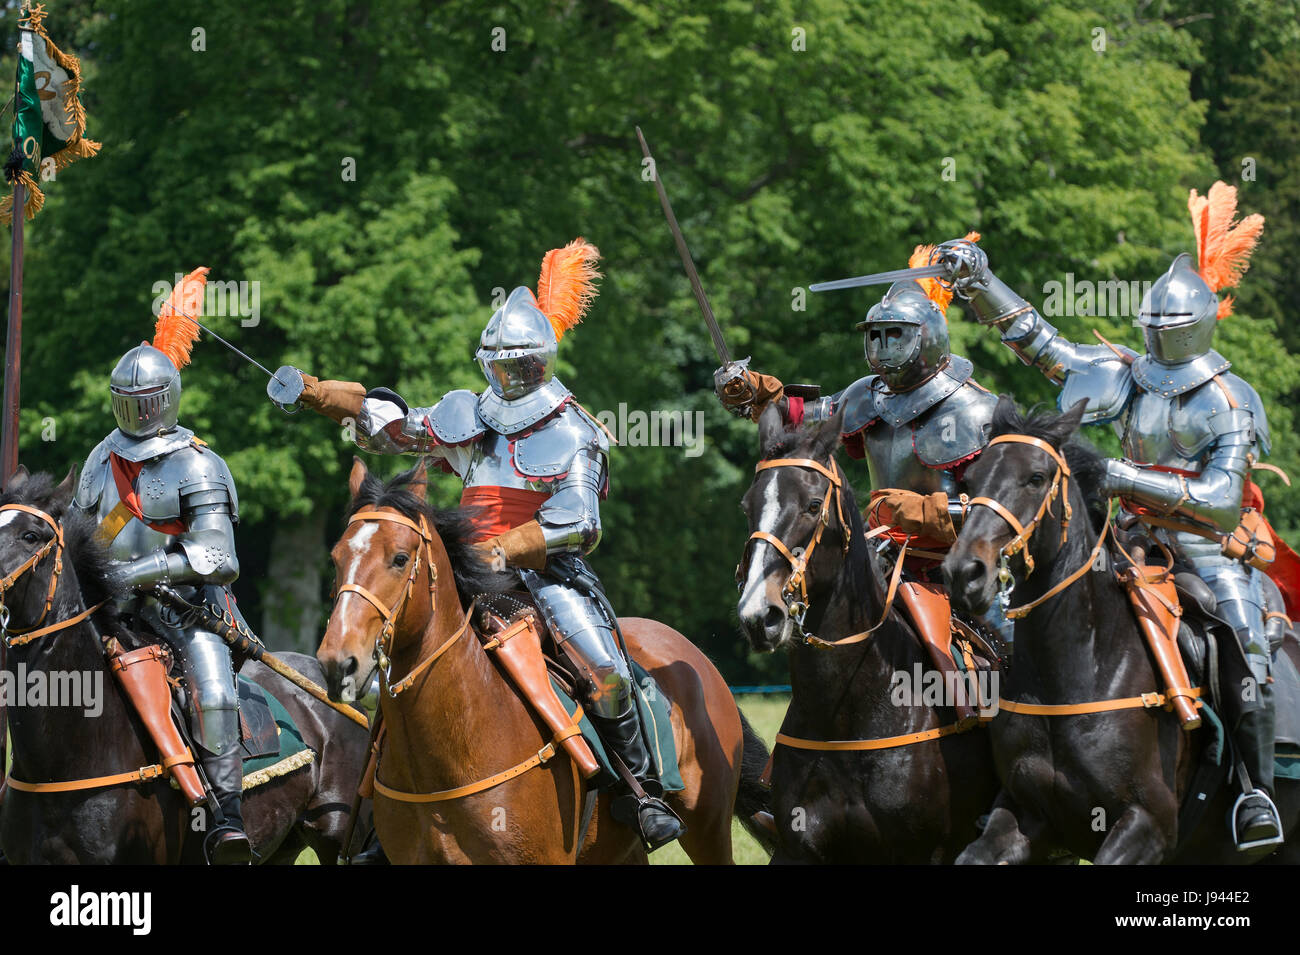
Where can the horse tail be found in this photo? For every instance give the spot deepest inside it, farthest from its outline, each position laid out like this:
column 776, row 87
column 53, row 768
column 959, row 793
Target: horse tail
column 753, row 798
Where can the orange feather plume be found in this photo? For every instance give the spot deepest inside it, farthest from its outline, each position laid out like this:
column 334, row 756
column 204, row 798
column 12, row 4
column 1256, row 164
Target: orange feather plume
column 567, row 286
column 1223, row 246
column 175, row 333
column 934, row 289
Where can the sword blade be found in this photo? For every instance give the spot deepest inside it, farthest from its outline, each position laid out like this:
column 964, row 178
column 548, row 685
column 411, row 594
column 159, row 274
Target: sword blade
column 719, row 344
column 252, row 361
column 881, row 278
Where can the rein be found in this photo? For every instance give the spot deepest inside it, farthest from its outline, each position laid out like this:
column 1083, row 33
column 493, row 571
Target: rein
column 798, row 557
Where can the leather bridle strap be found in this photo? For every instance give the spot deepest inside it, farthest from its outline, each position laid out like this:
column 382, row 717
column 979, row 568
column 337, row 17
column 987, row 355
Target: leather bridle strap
column 1145, row 701
column 890, row 594
column 407, row 681
column 55, row 543
column 30, row 635
column 1060, row 485
column 857, row 745
column 142, row 775
column 1015, row 613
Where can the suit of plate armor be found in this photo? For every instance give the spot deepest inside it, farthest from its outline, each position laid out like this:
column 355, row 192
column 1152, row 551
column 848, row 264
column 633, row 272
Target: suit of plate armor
column 182, row 533
column 1190, row 431
column 525, row 451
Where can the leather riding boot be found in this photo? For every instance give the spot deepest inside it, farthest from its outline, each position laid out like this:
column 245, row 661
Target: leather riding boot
column 1257, row 821
column 227, row 843
column 650, row 815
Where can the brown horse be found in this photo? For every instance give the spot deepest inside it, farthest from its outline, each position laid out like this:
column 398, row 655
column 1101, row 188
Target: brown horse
column 458, row 720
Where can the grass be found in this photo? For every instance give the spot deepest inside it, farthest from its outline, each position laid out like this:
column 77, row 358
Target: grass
column 764, row 713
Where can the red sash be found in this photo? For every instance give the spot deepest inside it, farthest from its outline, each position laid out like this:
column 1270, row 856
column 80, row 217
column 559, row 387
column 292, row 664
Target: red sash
column 125, row 474
column 501, row 508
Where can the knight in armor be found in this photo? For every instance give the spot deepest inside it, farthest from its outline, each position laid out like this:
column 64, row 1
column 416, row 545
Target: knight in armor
column 1190, row 432
column 919, row 419
column 167, row 510
column 535, row 465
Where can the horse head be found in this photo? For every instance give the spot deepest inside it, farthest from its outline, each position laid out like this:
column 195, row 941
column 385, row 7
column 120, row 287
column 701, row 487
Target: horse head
column 381, row 578
column 32, row 510
column 1022, row 496
column 801, row 515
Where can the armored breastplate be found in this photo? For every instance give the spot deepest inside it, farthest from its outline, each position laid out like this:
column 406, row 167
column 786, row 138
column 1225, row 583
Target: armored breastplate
column 492, row 464
column 1148, row 436
column 893, row 463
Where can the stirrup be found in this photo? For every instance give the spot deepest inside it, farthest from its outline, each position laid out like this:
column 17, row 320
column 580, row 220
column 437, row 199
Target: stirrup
column 1274, row 840
column 233, row 851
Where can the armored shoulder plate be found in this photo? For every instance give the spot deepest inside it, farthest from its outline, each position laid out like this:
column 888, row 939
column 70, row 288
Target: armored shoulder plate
column 1106, row 380
column 955, row 429
column 899, row 409
column 93, row 475
column 859, row 405
column 546, row 453
column 142, row 449
column 164, row 482
column 1204, row 415
column 1169, row 381
column 1247, row 398
column 454, row 420
column 512, row 416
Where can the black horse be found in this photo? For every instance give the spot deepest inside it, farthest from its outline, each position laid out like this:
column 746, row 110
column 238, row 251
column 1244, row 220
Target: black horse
column 904, row 803
column 135, row 822
column 1105, row 786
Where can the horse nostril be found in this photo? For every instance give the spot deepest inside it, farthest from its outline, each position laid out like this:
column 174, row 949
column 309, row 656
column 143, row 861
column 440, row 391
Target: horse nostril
column 774, row 618
column 350, row 666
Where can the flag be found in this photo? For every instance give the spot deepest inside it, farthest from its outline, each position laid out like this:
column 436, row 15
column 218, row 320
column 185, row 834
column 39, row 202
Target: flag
column 49, row 120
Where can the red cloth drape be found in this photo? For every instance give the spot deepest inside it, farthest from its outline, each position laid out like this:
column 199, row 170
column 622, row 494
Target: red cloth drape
column 125, row 474
column 501, row 508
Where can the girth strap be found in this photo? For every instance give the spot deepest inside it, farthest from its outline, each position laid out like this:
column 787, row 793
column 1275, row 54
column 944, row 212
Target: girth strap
column 888, row 742
column 1145, row 701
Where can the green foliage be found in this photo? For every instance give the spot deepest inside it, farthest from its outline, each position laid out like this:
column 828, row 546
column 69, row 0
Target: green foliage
column 791, row 157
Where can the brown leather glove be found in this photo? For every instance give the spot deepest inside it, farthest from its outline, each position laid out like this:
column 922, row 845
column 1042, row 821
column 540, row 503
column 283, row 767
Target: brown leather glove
column 749, row 393
column 920, row 515
column 336, row 400
column 522, row 546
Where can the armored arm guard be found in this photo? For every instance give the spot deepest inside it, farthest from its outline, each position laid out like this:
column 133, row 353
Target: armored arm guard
column 570, row 518
column 204, row 553
column 1214, row 495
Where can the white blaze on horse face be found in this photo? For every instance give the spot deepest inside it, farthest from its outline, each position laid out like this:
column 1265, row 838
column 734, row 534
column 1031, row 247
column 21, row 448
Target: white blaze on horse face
column 753, row 596
column 7, row 516
column 358, row 546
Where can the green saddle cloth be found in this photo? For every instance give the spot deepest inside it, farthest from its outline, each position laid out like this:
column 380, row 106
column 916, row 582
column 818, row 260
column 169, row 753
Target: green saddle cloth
column 287, row 733
column 654, row 717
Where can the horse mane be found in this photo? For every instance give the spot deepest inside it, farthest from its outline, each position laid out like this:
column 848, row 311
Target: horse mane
column 1087, row 466
column 82, row 549
column 454, row 526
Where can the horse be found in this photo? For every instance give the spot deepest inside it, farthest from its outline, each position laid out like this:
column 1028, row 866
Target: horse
column 139, row 820
column 460, row 730
column 1107, row 785
column 894, row 797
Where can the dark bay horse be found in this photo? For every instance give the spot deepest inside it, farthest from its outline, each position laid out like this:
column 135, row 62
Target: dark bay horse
column 134, row 822
column 1105, row 786
column 914, row 802
column 457, row 720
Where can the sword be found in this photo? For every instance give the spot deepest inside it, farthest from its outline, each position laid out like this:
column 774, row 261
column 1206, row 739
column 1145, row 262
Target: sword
column 939, row 271
column 285, row 385
column 719, row 345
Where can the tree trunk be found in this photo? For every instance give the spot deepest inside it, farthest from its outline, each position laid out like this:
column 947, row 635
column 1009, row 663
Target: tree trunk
column 293, row 613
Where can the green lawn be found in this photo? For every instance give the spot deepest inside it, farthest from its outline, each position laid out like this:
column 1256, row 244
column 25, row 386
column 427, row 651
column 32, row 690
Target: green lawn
column 764, row 714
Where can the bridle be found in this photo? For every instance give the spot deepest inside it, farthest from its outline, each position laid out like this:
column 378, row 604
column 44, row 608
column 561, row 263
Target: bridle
column 1023, row 532
column 18, row 638
column 798, row 557
column 384, row 642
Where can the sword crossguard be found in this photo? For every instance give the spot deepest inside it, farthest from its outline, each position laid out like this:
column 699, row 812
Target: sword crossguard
column 733, row 387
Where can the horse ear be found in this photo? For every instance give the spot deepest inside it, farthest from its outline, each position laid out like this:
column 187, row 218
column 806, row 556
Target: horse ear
column 771, row 428
column 17, row 479
column 1068, row 423
column 357, row 477
column 419, row 483
column 828, row 436
column 63, row 494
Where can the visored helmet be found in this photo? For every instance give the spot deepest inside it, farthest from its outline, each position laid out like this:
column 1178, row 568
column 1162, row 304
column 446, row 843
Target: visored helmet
column 146, row 392
column 1179, row 314
column 518, row 346
column 906, row 337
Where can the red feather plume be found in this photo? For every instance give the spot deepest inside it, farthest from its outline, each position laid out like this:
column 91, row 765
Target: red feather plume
column 176, row 333
column 567, row 286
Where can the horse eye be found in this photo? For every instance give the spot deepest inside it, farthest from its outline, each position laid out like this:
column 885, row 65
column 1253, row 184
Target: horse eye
column 814, row 506
column 401, row 559
column 30, row 537
column 1037, row 479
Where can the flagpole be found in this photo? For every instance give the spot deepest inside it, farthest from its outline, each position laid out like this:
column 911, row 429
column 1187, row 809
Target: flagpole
column 13, row 344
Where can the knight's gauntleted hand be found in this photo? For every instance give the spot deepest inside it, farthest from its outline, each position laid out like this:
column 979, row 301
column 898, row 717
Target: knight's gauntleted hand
column 522, row 546
column 968, row 265
column 337, row 400
column 743, row 392
column 1119, row 479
